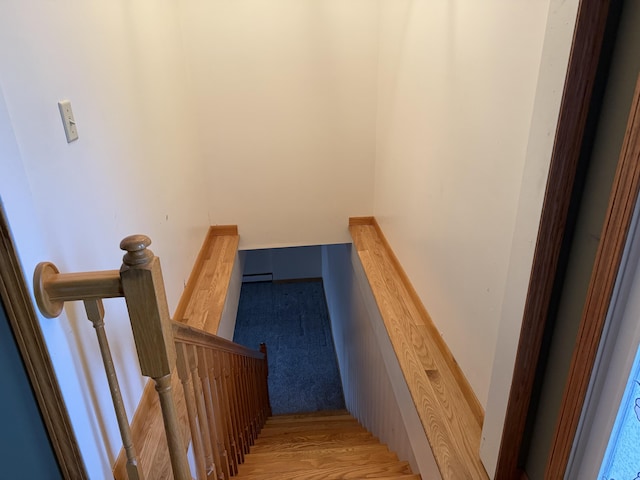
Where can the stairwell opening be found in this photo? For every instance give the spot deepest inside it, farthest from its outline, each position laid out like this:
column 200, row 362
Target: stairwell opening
column 283, row 304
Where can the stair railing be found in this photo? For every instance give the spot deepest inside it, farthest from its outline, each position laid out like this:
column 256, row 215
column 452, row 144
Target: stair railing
column 224, row 384
column 225, row 389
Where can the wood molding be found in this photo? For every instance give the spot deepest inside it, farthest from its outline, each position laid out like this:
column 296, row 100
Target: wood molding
column 214, row 231
column 572, row 121
column 622, row 201
column 460, row 378
column 223, row 230
column 354, row 221
column 26, row 328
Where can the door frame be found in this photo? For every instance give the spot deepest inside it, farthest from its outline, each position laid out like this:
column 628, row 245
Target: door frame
column 33, row 350
column 580, row 83
column 622, row 203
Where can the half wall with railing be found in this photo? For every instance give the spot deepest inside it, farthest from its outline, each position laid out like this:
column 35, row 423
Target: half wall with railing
column 224, row 384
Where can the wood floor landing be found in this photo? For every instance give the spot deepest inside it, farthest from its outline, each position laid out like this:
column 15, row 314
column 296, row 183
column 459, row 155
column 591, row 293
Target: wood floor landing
column 448, row 409
column 320, row 446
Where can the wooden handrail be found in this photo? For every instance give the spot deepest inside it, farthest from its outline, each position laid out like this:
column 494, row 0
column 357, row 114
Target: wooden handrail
column 194, row 336
column 224, row 384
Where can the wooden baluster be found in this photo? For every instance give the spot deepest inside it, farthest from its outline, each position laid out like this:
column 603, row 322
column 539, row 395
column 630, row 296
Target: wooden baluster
column 144, row 293
column 265, row 376
column 223, row 415
column 217, row 437
column 244, row 400
column 233, row 407
column 240, row 400
column 184, row 373
column 95, row 313
column 252, row 397
column 260, row 411
column 203, row 421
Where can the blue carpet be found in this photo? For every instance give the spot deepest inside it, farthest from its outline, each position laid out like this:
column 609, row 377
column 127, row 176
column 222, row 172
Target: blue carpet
column 292, row 319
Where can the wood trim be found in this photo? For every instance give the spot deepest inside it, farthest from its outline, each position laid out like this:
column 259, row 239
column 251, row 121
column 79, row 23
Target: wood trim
column 460, row 378
column 582, row 70
column 26, row 328
column 194, row 336
column 223, row 230
column 355, row 221
column 214, row 231
column 624, row 194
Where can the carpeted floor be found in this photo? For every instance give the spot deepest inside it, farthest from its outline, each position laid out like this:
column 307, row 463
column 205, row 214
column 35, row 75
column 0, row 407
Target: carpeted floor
column 292, row 319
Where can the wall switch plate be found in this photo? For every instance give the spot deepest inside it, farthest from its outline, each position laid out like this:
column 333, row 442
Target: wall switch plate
column 69, row 123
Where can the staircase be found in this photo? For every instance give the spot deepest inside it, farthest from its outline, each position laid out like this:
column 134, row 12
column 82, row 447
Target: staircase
column 320, row 446
column 212, row 393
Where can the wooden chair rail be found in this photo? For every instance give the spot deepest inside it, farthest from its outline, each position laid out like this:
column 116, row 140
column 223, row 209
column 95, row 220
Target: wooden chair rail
column 224, row 384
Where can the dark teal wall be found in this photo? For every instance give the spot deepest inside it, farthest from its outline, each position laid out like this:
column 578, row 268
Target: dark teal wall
column 25, row 451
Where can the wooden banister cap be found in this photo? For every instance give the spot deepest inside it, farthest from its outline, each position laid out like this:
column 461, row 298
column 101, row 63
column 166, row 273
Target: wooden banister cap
column 137, row 251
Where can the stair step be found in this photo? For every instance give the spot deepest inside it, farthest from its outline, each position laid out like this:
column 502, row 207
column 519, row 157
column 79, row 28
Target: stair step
column 403, row 476
column 302, row 435
column 313, row 464
column 294, row 447
column 379, row 470
column 311, row 417
column 351, row 435
column 374, row 448
column 316, row 461
column 271, row 430
column 320, row 446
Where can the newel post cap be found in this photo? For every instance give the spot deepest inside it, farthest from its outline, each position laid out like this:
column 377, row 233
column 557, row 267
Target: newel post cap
column 137, row 251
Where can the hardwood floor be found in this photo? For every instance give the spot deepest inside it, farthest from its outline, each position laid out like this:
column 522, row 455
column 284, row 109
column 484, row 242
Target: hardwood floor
column 323, row 445
column 450, row 413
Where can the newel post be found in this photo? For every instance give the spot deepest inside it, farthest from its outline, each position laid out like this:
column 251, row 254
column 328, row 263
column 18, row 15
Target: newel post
column 146, row 299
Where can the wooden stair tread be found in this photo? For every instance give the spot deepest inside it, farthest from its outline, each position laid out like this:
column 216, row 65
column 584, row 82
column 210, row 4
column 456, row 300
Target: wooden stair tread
column 295, row 447
column 321, row 428
column 316, row 462
column 404, row 476
column 316, row 438
column 372, row 448
column 333, row 450
column 319, row 416
column 334, row 473
column 274, row 429
column 308, row 421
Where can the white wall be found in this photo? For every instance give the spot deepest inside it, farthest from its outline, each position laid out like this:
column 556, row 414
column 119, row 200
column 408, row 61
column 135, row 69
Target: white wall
column 468, row 105
column 553, row 65
column 374, row 388
column 286, row 108
column 134, row 169
column 457, row 84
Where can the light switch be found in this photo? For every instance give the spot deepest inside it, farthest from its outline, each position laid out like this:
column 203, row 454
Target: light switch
column 68, row 121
